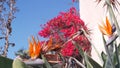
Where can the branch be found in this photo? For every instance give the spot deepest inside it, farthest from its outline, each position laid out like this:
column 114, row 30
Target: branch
column 79, row 63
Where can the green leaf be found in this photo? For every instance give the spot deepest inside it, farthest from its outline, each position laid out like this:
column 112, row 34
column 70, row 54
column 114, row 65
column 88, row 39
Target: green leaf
column 119, row 49
column 107, row 64
column 116, row 55
column 87, row 61
column 104, row 41
column 104, row 56
column 83, row 54
column 117, row 65
column 109, row 61
column 17, row 63
column 5, row 62
column 94, row 63
column 46, row 62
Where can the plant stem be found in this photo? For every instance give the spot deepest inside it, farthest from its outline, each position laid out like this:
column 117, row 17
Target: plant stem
column 117, row 55
column 6, row 45
column 112, row 15
column 107, row 51
column 79, row 63
column 109, row 57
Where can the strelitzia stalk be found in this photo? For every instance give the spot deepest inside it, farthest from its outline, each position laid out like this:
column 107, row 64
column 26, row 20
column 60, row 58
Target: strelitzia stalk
column 106, row 29
column 111, row 8
column 111, row 5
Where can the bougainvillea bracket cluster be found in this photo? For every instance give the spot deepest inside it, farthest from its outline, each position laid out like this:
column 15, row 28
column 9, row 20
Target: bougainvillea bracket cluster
column 62, row 27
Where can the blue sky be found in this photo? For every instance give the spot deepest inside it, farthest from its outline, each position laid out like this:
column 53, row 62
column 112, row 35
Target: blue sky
column 33, row 13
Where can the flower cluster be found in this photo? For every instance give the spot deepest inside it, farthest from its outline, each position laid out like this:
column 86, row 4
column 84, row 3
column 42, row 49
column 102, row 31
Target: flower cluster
column 62, row 27
column 69, row 50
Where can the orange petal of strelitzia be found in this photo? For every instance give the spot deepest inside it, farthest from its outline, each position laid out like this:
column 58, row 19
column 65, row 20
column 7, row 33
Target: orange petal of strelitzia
column 30, row 49
column 48, row 45
column 38, row 49
column 103, row 29
column 34, row 48
column 56, row 47
column 106, row 29
column 109, row 27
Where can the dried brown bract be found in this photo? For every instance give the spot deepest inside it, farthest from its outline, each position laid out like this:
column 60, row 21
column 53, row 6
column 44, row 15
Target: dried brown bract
column 113, row 3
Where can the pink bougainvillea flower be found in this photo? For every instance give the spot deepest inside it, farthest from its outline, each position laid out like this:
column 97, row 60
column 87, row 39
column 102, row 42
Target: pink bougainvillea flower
column 106, row 29
column 69, row 50
column 34, row 48
column 61, row 28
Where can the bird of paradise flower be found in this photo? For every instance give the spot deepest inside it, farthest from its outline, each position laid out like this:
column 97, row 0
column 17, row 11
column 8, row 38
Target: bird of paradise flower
column 106, row 29
column 36, row 47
